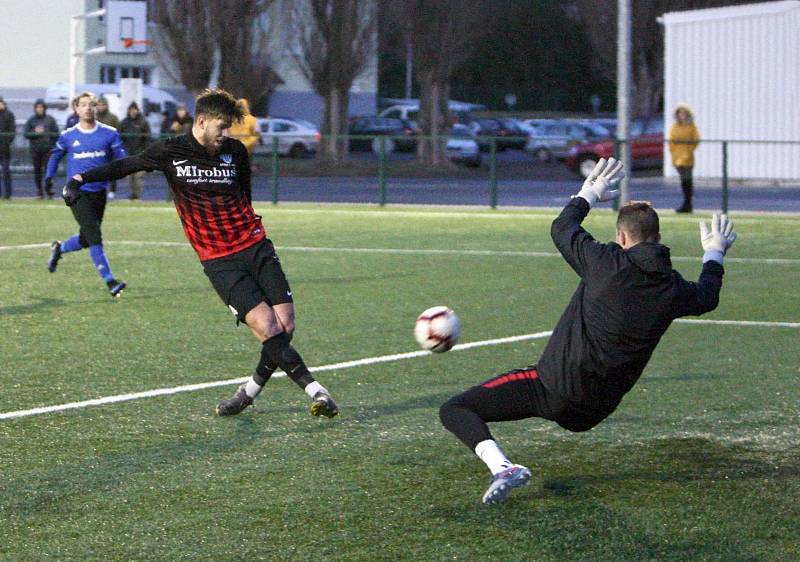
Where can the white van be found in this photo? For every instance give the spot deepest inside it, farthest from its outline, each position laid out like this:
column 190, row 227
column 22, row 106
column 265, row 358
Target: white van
column 410, row 112
column 459, row 111
column 154, row 102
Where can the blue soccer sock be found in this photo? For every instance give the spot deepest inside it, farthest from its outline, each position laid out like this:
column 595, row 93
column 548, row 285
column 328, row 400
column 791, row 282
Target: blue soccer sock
column 72, row 244
column 100, row 262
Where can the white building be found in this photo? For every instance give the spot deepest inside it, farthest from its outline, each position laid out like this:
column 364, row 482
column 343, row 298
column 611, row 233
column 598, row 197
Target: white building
column 36, row 39
column 738, row 68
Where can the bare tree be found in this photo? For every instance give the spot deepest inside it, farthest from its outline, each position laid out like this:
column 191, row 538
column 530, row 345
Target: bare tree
column 191, row 33
column 242, row 34
column 335, row 43
column 599, row 17
column 441, row 32
column 185, row 47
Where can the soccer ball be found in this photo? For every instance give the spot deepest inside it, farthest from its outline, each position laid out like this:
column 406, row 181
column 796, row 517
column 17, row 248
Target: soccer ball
column 437, row 329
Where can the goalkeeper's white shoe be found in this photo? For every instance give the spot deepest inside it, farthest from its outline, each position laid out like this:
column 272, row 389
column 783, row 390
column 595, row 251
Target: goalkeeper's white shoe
column 502, row 483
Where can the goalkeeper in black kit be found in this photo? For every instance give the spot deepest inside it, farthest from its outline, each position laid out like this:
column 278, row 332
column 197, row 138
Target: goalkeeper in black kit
column 209, row 176
column 626, row 299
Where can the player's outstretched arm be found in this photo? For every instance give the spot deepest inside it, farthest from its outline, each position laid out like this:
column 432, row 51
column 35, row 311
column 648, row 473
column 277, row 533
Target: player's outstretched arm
column 694, row 299
column 578, row 247
column 717, row 240
column 600, row 184
column 146, row 161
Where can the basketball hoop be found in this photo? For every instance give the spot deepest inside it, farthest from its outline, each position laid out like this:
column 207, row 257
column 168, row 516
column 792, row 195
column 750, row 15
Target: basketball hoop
column 128, row 42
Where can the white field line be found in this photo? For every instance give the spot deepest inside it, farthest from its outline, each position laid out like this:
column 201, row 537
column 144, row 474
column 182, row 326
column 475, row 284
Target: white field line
column 342, row 365
column 439, row 211
column 411, row 251
column 202, row 386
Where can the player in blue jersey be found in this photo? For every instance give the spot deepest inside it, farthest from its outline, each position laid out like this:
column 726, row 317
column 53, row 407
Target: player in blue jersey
column 86, row 145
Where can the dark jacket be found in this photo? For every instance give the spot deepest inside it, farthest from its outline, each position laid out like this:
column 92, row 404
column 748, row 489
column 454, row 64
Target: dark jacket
column 107, row 118
column 177, row 126
column 8, row 130
column 72, row 120
column 41, row 142
column 624, row 303
column 135, row 134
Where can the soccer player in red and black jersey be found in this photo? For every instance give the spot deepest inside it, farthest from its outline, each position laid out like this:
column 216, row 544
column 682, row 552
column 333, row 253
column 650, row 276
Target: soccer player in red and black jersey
column 209, row 176
column 626, row 299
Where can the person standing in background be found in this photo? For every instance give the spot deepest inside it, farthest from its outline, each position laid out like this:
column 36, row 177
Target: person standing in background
column 73, row 118
column 246, row 130
column 683, row 140
column 181, row 123
column 42, row 131
column 135, row 133
column 7, row 132
column 106, row 117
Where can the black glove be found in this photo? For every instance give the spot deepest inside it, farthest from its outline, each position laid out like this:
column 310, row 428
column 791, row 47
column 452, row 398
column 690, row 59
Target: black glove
column 71, row 192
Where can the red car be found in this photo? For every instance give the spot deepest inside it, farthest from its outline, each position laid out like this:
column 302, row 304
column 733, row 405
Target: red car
column 647, row 148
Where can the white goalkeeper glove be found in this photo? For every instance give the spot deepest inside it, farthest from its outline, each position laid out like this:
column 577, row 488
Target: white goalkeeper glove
column 717, row 241
column 598, row 185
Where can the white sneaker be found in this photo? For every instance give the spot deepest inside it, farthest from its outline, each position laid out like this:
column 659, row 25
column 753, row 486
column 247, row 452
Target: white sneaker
column 502, row 484
column 112, row 195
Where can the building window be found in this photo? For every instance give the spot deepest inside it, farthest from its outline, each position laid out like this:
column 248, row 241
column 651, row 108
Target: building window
column 111, row 74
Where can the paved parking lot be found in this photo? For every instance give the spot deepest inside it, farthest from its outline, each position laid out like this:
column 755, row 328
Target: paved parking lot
column 521, row 182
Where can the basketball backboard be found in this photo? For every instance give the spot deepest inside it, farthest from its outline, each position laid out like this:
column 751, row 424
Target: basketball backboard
column 126, row 27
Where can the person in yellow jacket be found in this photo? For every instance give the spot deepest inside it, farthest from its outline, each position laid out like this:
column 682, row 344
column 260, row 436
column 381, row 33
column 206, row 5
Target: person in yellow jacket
column 246, row 130
column 683, row 140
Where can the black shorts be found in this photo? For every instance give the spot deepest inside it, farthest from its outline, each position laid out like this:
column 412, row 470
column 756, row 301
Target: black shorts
column 520, row 394
column 88, row 211
column 245, row 279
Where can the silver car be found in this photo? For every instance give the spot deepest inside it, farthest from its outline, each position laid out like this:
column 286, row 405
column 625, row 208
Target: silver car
column 554, row 139
column 462, row 147
column 296, row 137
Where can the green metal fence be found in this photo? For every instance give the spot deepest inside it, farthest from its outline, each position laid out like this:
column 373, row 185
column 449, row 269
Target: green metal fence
column 384, row 157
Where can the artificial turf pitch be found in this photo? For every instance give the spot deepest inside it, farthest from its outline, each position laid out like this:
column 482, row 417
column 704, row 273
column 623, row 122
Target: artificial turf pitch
column 701, row 460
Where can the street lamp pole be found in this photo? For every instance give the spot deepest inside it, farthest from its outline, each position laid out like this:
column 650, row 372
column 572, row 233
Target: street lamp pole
column 73, row 48
column 624, row 92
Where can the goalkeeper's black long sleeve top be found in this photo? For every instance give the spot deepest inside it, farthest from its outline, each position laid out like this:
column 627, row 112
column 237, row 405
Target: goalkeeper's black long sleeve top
column 625, row 301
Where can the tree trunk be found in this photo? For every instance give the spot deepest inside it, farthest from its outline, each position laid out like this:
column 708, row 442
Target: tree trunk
column 343, row 148
column 433, row 119
column 334, row 143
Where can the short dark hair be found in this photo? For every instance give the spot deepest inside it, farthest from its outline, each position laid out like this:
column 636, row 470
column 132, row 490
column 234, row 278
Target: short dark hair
column 218, row 104
column 639, row 220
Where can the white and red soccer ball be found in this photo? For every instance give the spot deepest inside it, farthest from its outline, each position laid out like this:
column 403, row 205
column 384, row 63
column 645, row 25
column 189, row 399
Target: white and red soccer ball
column 437, row 329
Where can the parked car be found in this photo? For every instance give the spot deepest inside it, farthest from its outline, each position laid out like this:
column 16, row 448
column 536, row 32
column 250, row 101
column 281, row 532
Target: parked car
column 296, row 137
column 647, row 148
column 554, row 139
column 365, row 133
column 534, row 126
column 517, row 137
column 462, row 147
column 459, row 111
column 609, row 123
column 485, row 129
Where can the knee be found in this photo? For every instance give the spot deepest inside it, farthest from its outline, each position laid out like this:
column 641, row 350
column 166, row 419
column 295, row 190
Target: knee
column 264, row 328
column 91, row 237
column 288, row 326
column 448, row 411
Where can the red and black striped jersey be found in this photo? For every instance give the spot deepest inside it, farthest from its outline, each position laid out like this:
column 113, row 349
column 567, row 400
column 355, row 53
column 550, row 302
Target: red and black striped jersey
column 212, row 194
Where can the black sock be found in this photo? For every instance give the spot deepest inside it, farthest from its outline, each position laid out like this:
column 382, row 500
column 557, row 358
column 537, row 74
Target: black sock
column 280, row 353
column 266, row 366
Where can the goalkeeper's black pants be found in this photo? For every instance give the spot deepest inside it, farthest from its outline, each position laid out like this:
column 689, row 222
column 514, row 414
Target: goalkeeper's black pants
column 514, row 395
